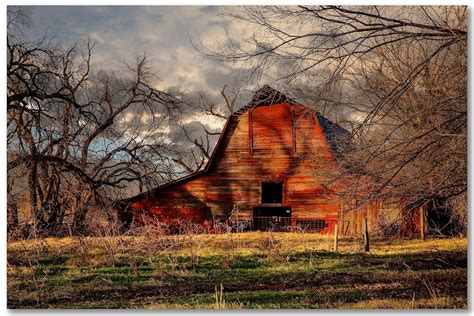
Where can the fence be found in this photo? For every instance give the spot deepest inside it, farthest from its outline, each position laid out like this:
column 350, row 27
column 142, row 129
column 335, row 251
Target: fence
column 276, row 223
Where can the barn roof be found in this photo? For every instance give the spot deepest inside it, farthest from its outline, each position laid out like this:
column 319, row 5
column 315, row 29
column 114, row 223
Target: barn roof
column 263, row 97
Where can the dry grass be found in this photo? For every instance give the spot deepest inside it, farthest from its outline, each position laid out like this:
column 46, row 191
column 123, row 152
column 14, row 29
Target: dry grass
column 256, row 270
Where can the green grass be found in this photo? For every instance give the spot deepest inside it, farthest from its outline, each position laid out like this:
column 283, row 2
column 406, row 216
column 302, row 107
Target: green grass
column 256, row 270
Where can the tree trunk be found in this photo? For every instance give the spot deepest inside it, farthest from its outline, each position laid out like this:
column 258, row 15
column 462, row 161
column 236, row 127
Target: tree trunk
column 422, row 223
column 12, row 210
column 48, row 191
column 366, row 235
column 83, row 198
column 37, row 215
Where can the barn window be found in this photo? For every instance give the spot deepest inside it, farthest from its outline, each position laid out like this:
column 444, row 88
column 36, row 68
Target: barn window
column 272, row 192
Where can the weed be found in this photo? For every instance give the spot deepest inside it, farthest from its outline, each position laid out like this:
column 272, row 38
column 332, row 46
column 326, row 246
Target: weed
column 219, row 294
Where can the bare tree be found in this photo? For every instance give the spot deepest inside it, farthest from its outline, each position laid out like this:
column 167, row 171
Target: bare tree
column 82, row 135
column 194, row 129
column 396, row 77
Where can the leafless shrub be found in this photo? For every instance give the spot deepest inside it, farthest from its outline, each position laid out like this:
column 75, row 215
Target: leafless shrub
column 111, row 240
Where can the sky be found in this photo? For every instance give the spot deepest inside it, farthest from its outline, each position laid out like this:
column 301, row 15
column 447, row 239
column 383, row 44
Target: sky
column 164, row 33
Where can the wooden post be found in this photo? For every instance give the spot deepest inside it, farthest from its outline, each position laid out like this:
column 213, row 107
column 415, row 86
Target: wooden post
column 366, row 235
column 422, row 223
column 336, row 237
column 328, row 245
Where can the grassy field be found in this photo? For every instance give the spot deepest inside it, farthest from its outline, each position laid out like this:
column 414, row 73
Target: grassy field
column 254, row 270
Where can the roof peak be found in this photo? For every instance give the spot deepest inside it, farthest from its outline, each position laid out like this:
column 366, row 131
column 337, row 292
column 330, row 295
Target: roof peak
column 266, row 95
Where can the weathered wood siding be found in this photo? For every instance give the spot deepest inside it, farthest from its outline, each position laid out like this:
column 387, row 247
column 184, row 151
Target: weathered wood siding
column 280, row 142
column 184, row 201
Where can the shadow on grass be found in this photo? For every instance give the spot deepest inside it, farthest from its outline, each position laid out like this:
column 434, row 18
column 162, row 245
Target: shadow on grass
column 309, row 279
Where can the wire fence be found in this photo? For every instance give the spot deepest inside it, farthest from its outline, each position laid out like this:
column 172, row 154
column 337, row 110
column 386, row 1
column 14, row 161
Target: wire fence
column 277, row 223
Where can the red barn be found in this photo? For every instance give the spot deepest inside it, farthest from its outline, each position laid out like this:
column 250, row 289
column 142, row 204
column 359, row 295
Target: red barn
column 271, row 167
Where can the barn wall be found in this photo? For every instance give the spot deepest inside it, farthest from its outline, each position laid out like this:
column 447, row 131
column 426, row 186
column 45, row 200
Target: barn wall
column 279, row 142
column 184, row 201
column 263, row 147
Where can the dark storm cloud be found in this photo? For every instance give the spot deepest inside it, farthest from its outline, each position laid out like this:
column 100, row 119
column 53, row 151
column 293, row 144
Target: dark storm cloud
column 164, row 33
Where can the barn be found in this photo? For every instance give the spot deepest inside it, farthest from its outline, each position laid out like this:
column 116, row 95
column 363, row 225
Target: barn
column 271, row 168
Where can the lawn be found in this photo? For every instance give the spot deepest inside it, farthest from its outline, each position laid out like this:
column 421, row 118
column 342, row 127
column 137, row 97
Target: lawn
column 247, row 270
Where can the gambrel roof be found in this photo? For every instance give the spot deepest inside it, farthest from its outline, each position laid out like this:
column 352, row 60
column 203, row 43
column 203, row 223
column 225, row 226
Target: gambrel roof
column 265, row 96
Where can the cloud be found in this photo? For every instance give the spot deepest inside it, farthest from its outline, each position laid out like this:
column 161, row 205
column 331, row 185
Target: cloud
column 164, row 33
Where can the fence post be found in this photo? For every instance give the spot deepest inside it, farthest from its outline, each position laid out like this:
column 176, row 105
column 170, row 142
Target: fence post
column 336, row 237
column 328, row 241
column 366, row 235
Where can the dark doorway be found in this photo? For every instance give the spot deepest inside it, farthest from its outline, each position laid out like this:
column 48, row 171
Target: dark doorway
column 275, row 218
column 272, row 192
